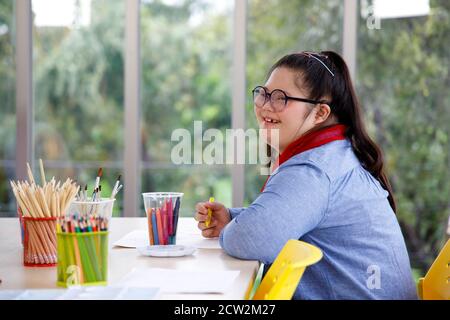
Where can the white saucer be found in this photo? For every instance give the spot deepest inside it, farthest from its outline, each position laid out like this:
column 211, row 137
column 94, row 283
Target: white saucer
column 166, row 250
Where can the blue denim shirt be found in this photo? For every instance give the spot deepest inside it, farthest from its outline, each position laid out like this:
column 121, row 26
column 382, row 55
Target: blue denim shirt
column 325, row 197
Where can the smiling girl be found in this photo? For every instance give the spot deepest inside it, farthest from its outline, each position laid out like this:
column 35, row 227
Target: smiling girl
column 328, row 188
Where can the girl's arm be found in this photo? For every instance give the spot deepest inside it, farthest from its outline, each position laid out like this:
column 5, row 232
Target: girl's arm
column 293, row 203
column 234, row 212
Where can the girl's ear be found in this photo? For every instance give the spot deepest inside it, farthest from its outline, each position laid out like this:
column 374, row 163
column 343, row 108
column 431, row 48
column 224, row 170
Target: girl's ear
column 322, row 114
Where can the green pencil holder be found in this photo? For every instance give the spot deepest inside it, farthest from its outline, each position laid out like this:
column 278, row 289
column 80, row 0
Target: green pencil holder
column 82, row 258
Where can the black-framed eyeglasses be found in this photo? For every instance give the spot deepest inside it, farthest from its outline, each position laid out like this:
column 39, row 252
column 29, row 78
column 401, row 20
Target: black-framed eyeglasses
column 278, row 98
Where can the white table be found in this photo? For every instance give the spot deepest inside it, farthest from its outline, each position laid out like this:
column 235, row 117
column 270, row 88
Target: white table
column 121, row 261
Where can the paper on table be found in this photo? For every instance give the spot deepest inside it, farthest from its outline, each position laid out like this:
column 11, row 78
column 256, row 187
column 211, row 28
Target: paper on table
column 139, row 238
column 82, row 293
column 134, row 239
column 197, row 241
column 189, row 235
column 181, row 281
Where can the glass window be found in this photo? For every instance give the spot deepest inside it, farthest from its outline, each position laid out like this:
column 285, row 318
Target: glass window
column 7, row 107
column 186, row 58
column 276, row 28
column 403, row 82
column 78, row 89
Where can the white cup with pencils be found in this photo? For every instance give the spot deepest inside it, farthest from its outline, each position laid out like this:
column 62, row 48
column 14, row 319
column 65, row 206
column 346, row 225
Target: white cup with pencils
column 162, row 210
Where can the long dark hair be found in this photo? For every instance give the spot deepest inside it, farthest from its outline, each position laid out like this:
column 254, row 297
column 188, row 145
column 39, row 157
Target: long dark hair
column 329, row 78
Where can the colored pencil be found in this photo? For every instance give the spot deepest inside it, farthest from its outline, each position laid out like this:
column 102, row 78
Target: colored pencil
column 159, row 227
column 170, row 213
column 175, row 215
column 150, row 227
column 208, row 220
column 155, row 228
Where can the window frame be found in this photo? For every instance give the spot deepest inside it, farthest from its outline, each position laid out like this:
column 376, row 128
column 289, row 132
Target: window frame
column 132, row 105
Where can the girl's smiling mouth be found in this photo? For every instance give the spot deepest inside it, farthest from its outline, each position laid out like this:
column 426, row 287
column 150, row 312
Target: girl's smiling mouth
column 269, row 121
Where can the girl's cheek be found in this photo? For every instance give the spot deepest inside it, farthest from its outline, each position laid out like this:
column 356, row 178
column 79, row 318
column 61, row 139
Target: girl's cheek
column 281, row 135
column 257, row 114
column 284, row 126
column 287, row 132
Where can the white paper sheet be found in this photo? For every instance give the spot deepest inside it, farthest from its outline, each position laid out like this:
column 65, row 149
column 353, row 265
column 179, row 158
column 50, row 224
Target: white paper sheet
column 198, row 241
column 134, row 239
column 181, row 281
column 139, row 238
column 83, row 293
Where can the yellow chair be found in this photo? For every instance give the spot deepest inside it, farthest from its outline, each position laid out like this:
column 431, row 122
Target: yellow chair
column 286, row 271
column 436, row 283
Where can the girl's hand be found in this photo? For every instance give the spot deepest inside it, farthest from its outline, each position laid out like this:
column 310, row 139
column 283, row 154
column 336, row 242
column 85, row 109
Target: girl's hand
column 219, row 219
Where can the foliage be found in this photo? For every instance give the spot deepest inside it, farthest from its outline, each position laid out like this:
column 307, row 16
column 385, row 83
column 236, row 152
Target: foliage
column 403, row 80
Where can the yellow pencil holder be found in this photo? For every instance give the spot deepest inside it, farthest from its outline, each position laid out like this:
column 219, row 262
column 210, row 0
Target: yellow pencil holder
column 82, row 258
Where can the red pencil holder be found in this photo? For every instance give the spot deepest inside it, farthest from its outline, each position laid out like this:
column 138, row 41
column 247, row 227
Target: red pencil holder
column 19, row 213
column 39, row 241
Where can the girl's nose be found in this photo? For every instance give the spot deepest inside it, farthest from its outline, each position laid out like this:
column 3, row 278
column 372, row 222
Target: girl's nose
column 267, row 106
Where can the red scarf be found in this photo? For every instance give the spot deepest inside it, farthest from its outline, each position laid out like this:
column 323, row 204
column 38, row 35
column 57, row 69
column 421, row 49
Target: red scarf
column 309, row 141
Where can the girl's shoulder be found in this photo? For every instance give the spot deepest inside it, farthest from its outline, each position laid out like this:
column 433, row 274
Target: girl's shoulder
column 335, row 159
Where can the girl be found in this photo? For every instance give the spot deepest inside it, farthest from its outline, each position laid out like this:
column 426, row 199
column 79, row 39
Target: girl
column 327, row 188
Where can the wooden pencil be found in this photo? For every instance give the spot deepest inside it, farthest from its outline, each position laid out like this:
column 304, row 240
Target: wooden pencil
column 150, row 226
column 41, row 250
column 41, row 167
column 42, row 233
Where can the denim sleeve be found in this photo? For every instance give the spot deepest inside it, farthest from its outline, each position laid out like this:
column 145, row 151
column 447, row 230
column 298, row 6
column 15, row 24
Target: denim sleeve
column 293, row 203
column 234, row 212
